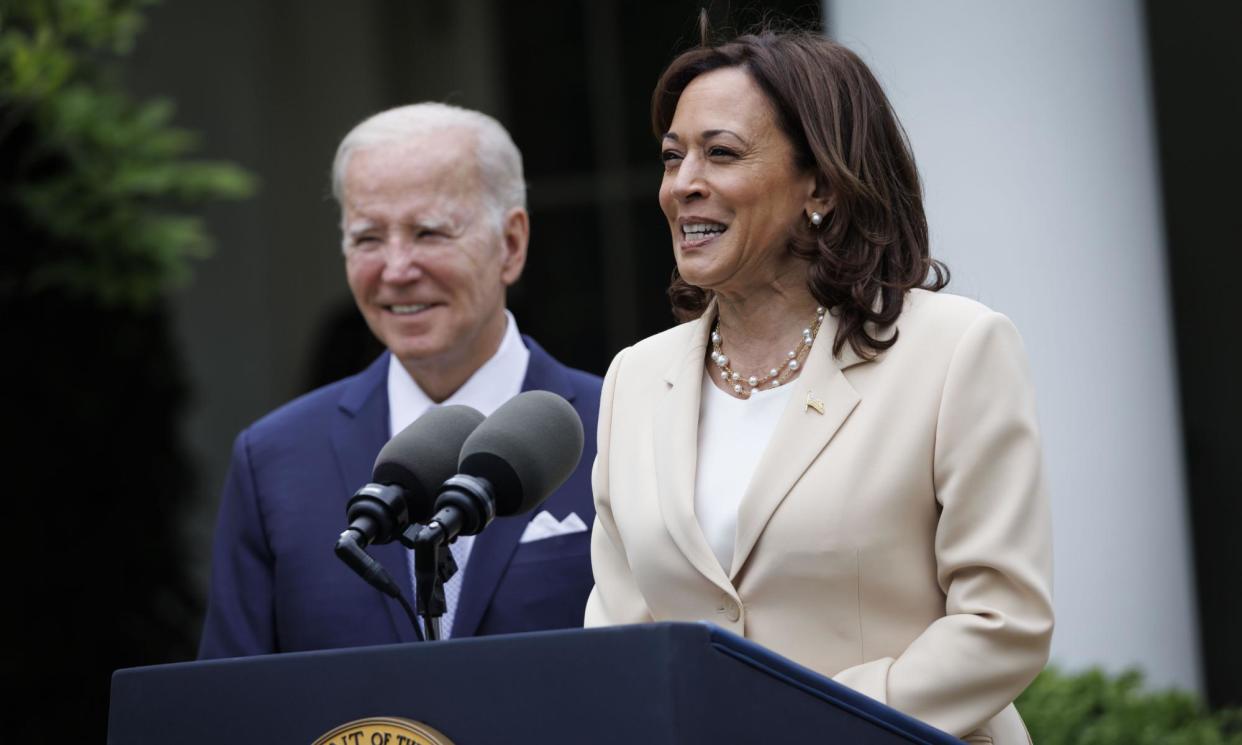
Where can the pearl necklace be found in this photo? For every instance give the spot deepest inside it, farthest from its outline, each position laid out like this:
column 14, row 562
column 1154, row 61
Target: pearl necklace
column 744, row 387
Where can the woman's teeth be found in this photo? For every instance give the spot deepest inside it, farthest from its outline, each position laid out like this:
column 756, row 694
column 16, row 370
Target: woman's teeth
column 701, row 230
column 407, row 309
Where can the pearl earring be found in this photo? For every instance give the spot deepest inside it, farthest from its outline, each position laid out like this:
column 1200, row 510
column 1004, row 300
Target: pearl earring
column 816, row 219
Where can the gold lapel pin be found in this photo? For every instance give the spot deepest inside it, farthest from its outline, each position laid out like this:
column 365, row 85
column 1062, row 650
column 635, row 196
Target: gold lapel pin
column 814, row 403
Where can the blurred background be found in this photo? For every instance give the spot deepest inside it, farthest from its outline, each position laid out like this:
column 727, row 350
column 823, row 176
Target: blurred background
column 1080, row 161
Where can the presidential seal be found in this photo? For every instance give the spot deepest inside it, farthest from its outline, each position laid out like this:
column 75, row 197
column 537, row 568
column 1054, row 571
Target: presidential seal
column 384, row 731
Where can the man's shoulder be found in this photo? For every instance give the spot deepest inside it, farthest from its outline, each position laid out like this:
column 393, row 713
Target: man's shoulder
column 309, row 412
column 546, row 370
column 584, row 382
column 294, row 414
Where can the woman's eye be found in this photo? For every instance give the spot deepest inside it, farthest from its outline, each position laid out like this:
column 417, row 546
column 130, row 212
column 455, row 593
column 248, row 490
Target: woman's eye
column 670, row 156
column 717, row 151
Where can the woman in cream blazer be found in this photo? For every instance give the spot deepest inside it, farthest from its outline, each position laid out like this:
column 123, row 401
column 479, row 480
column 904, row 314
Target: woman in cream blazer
column 894, row 534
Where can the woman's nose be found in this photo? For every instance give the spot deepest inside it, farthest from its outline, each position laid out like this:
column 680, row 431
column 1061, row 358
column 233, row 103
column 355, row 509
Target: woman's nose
column 688, row 180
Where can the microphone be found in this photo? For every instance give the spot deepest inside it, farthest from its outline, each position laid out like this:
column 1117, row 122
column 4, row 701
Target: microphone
column 407, row 473
column 509, row 465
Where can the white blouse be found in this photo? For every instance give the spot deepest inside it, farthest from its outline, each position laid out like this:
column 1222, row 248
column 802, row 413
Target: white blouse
column 733, row 434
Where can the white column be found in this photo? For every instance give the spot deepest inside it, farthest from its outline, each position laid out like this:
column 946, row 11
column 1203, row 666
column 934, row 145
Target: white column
column 1032, row 124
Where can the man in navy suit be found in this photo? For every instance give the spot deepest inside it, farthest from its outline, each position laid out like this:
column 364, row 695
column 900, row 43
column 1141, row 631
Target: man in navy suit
column 434, row 230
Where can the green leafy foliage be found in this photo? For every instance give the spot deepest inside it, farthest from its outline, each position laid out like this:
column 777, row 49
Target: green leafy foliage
column 97, row 193
column 93, row 179
column 1094, row 708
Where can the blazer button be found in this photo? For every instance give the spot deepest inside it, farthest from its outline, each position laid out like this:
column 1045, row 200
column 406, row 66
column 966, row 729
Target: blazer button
column 728, row 608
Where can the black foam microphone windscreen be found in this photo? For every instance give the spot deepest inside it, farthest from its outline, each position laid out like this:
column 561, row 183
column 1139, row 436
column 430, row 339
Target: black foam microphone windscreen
column 526, row 449
column 424, row 455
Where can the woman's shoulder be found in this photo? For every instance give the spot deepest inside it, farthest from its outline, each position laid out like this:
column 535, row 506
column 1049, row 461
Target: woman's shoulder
column 926, row 311
column 938, row 322
column 944, row 307
column 675, row 338
column 656, row 353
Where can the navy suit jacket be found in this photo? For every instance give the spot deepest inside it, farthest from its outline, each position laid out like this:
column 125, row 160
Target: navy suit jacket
column 277, row 586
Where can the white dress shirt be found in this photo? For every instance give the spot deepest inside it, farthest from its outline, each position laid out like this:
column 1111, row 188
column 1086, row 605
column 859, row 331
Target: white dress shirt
column 497, row 381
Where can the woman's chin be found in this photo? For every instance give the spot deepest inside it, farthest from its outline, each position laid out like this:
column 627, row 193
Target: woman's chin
column 701, row 281
column 696, row 271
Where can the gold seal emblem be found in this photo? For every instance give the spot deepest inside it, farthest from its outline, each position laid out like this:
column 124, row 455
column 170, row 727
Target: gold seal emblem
column 383, row 731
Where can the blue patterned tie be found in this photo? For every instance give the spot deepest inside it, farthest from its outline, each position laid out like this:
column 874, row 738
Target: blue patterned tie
column 452, row 588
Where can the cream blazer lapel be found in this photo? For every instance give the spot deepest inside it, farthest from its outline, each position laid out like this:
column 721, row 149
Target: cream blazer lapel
column 802, row 433
column 675, row 438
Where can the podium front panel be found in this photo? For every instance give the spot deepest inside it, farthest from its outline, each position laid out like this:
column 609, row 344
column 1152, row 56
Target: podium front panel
column 658, row 684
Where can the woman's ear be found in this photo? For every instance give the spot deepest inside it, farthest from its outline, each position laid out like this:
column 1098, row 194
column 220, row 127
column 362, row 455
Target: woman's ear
column 822, row 199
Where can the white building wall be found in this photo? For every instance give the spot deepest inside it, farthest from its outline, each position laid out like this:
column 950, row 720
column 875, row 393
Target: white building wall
column 1032, row 124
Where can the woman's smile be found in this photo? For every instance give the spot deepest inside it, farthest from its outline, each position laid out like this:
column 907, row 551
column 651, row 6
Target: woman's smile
column 697, row 232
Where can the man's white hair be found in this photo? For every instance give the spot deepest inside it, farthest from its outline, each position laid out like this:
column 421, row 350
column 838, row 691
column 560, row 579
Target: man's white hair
column 500, row 163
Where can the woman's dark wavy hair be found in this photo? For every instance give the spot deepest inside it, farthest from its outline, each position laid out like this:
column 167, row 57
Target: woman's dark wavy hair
column 872, row 246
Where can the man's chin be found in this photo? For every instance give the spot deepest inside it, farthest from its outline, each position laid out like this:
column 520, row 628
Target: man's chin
column 418, row 354
column 415, row 347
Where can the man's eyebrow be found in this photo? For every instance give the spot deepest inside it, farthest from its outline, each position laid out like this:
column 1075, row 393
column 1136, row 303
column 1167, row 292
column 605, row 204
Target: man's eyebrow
column 436, row 222
column 359, row 226
column 445, row 223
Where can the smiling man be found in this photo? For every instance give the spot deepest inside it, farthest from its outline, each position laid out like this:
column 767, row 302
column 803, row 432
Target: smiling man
column 434, row 231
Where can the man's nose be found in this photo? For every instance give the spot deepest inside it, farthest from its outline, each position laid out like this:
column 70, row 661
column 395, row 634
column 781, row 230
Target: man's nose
column 401, row 262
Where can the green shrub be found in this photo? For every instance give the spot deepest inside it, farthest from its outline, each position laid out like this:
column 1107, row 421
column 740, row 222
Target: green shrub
column 97, row 194
column 1094, row 708
column 92, row 180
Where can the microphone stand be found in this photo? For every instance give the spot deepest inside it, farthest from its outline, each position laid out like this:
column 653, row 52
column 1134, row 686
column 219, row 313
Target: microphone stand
column 433, row 566
column 348, row 550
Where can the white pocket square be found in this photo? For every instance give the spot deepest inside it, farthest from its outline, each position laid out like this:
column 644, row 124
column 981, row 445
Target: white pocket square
column 546, row 526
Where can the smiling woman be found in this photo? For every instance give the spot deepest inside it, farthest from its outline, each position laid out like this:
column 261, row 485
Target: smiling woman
column 817, row 99
column 731, row 191
column 870, row 504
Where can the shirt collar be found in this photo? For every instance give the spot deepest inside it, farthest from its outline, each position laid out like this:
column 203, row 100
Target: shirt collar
column 498, row 380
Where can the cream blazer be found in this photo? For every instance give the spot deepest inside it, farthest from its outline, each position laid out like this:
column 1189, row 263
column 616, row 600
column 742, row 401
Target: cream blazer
column 898, row 541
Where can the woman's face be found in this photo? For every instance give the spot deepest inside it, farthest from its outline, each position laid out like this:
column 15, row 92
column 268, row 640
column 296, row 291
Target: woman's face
column 731, row 191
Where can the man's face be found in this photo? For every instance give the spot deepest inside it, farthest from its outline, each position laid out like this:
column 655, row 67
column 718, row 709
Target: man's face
column 427, row 260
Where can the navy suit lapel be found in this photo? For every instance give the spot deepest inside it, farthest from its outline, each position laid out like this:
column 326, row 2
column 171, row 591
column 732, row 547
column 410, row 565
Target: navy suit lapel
column 494, row 548
column 357, row 436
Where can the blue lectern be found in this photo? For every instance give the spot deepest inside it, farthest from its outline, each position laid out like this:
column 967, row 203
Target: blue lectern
column 658, row 684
